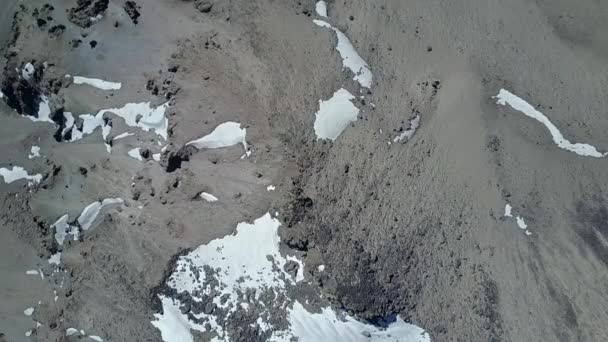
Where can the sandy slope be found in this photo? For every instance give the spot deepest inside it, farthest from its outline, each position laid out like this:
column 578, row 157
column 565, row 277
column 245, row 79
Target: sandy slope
column 415, row 229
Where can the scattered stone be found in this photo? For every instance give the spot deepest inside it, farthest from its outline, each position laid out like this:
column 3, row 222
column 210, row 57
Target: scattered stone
column 132, row 10
column 203, row 6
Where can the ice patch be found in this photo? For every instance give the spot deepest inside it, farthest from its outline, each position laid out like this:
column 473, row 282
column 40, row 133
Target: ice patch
column 326, row 326
column 350, row 58
column 409, row 133
column 97, row 83
column 28, row 311
column 208, row 197
column 335, row 114
column 34, row 152
column 134, row 153
column 321, row 8
column 504, row 97
column 225, row 135
column 18, row 173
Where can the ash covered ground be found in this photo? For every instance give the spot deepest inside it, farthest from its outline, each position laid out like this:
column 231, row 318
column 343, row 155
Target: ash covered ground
column 227, row 170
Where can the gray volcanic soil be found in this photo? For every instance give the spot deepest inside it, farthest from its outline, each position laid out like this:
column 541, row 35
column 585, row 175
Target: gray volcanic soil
column 414, row 229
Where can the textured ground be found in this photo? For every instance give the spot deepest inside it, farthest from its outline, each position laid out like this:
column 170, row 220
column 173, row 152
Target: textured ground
column 415, row 229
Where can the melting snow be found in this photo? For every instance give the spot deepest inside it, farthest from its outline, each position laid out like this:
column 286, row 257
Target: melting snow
column 335, row 114
column 226, row 134
column 504, row 97
column 18, row 173
column 97, row 83
column 34, row 152
column 350, row 57
column 409, row 133
column 240, row 267
column 321, row 8
column 208, row 197
column 134, row 153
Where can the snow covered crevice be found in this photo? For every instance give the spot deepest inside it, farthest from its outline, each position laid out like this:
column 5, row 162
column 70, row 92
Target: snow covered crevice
column 505, row 97
column 350, row 57
column 335, row 114
column 232, row 281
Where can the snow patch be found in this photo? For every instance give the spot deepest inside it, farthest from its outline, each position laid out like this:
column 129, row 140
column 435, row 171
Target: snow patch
column 409, row 133
column 508, row 210
column 270, row 188
column 208, row 197
column 55, row 259
column 521, row 223
column 90, row 212
column 28, row 71
column 321, row 8
column 18, row 173
column 326, row 326
column 504, row 97
column 335, row 114
column 156, row 157
column 134, row 153
column 350, row 58
column 97, row 83
column 34, row 152
column 225, row 135
column 28, row 311
column 123, row 135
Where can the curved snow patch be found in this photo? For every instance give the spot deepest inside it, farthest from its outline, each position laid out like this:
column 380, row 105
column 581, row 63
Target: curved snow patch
column 350, row 58
column 224, row 135
column 335, row 114
column 97, row 83
column 504, row 97
column 18, row 173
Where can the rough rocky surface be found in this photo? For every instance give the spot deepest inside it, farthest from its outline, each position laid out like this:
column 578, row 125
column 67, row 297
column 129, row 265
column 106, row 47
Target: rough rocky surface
column 413, row 228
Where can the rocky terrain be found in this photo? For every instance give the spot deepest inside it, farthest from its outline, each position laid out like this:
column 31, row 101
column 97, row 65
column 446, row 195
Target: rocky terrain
column 232, row 170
